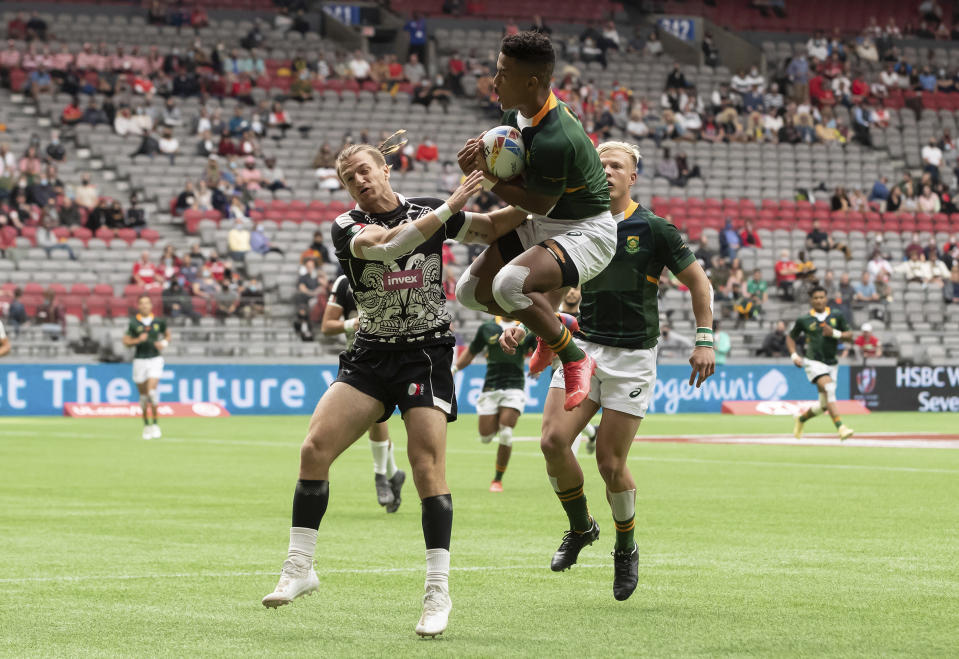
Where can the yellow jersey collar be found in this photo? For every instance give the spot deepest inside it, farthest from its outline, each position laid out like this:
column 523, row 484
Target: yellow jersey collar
column 550, row 103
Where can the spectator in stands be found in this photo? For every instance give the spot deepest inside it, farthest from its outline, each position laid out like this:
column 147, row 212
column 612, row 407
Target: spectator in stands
column 729, row 241
column 94, row 114
column 843, row 296
column 672, row 344
column 917, row 269
column 249, row 178
column 894, row 200
column 950, row 290
column 666, row 167
column 272, row 175
column 309, row 285
column 880, row 190
column 146, row 273
column 97, row 217
column 17, row 312
column 251, row 299
column 676, row 78
column 51, row 316
column 932, row 158
column 168, row 145
column 70, row 214
column 149, row 146
column 135, row 217
column 260, row 243
column 427, row 152
column 414, row 71
column 30, row 165
column 704, row 253
column 839, row 200
column 774, row 343
column 238, row 240
column 865, row 291
column 929, row 201
column 787, row 271
column 819, row 239
column 710, row 51
column 317, row 251
column 867, row 344
column 302, row 324
column 56, row 150
column 653, row 47
column 186, row 199
column 48, row 240
column 417, row 32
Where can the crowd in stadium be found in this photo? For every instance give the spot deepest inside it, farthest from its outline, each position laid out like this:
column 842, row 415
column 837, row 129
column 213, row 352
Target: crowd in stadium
column 136, row 92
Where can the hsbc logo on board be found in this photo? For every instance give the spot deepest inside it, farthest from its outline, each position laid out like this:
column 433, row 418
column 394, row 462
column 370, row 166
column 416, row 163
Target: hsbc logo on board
column 395, row 281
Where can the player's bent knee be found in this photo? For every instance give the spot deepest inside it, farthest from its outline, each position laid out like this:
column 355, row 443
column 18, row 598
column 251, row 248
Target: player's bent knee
column 505, row 436
column 830, row 388
column 466, row 291
column 611, row 468
column 508, row 288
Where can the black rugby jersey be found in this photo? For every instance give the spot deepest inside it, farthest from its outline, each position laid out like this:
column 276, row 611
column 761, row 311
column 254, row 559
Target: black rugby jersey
column 401, row 303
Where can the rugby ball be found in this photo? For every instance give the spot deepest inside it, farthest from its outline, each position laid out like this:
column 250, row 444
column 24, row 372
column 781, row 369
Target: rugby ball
column 504, row 151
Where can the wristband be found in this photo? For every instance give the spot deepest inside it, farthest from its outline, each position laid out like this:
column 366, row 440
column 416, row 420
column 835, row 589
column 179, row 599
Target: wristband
column 704, row 337
column 488, row 182
column 795, row 356
column 164, row 343
column 443, row 212
column 350, row 325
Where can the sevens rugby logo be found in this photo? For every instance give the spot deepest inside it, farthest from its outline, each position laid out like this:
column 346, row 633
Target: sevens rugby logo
column 494, row 151
column 632, row 244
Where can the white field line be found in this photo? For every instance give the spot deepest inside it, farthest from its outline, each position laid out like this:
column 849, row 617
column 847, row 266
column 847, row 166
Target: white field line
column 261, row 573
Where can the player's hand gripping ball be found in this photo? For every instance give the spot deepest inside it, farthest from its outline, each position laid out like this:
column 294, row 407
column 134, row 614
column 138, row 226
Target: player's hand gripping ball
column 504, row 152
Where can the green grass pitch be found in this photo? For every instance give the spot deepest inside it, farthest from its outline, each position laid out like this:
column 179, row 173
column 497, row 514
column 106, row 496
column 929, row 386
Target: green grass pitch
column 112, row 546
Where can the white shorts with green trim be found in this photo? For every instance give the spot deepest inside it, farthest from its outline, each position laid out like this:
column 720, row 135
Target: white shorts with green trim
column 489, row 402
column 590, row 242
column 816, row 369
column 623, row 380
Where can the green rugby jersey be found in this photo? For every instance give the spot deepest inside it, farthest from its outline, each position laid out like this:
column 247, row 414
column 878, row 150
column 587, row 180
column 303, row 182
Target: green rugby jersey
column 561, row 160
column 620, row 306
column 155, row 329
column 502, row 371
column 818, row 347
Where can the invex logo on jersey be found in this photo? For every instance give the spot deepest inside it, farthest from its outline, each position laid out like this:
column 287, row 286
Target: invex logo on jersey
column 395, row 281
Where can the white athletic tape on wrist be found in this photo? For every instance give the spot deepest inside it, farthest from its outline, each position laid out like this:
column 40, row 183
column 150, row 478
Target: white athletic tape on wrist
column 443, row 212
column 349, row 325
column 795, row 356
column 488, row 182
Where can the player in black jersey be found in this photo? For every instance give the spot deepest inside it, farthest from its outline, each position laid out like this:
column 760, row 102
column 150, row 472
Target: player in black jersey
column 390, row 249
column 340, row 317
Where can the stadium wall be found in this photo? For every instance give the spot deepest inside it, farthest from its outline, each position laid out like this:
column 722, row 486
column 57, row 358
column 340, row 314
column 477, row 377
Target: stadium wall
column 42, row 389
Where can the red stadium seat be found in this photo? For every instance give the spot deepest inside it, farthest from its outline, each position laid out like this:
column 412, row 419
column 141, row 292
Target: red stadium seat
column 103, row 290
column 97, row 306
column 104, row 234
column 126, row 235
column 81, row 290
column 119, row 308
column 150, row 234
column 59, row 289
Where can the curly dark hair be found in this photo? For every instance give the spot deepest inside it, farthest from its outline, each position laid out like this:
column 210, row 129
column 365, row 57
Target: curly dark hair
column 533, row 49
column 816, row 289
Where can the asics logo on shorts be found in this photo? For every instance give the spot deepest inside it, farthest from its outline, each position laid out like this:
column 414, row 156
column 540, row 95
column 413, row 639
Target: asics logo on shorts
column 635, row 392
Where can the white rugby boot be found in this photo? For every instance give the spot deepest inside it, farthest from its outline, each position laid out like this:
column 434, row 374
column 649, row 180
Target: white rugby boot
column 436, row 611
column 297, row 578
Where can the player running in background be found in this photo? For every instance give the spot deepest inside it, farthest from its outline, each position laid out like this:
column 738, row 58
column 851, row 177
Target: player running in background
column 619, row 328
column 823, row 328
column 4, row 341
column 504, row 389
column 340, row 317
column 390, row 248
column 149, row 336
column 571, row 235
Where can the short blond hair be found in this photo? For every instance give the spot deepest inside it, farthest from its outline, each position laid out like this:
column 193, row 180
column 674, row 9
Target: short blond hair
column 630, row 149
column 352, row 150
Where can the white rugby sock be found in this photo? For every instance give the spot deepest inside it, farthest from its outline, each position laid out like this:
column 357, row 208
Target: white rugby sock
column 381, row 456
column 438, row 568
column 623, row 504
column 576, row 442
column 302, row 543
column 391, row 467
column 589, row 432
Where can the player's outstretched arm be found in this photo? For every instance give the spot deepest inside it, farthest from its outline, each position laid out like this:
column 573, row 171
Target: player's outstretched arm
column 791, row 347
column 376, row 243
column 703, row 359
column 485, row 228
column 465, row 359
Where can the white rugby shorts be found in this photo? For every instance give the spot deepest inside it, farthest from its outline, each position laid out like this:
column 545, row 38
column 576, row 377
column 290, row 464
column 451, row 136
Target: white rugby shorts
column 590, row 242
column 147, row 369
column 489, row 402
column 623, row 380
column 816, row 369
